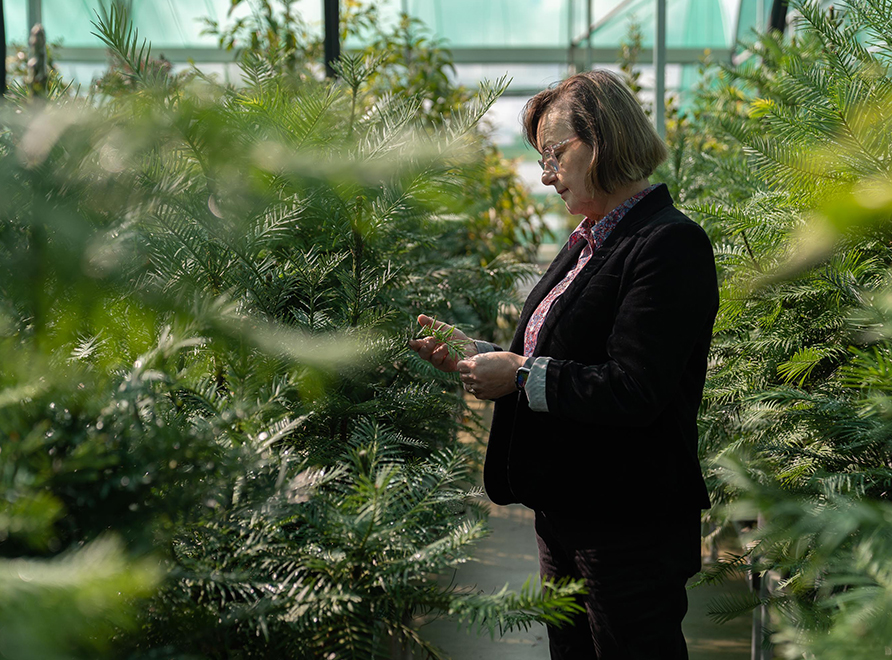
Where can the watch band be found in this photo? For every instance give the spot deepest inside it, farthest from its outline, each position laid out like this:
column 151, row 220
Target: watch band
column 522, row 374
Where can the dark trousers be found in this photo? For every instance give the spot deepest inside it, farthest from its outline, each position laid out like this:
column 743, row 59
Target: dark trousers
column 635, row 578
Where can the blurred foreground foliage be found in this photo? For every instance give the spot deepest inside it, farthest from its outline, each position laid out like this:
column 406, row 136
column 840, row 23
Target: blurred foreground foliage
column 213, row 440
column 785, row 159
column 400, row 59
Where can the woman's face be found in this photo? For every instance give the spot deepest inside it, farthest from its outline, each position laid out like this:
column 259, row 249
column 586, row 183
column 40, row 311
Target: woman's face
column 573, row 158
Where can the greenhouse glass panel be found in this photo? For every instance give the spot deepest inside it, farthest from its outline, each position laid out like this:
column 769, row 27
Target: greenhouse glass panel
column 698, row 24
column 70, row 22
column 513, row 24
column 15, row 15
column 529, row 39
column 753, row 16
column 174, row 24
column 164, row 23
column 518, row 26
column 501, row 23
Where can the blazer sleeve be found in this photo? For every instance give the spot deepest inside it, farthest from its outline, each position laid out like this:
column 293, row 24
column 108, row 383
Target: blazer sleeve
column 663, row 321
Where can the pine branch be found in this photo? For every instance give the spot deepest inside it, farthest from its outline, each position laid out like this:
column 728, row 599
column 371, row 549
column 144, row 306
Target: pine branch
column 116, row 31
column 725, row 608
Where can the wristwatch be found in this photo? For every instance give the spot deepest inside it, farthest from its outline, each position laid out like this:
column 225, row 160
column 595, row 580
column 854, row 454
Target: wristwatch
column 523, row 373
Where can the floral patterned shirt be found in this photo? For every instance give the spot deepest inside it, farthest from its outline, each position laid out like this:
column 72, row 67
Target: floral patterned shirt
column 594, row 233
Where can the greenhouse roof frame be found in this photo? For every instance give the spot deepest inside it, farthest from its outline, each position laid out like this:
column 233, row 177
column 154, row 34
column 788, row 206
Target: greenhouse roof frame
column 507, row 32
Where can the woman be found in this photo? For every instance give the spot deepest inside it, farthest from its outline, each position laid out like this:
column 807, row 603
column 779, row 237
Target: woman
column 595, row 418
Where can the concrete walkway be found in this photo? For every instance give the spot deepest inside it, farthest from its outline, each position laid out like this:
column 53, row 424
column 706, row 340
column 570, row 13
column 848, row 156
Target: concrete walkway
column 509, row 556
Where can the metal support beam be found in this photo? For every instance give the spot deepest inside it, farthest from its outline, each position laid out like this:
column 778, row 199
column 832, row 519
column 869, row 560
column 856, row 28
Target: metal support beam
column 757, row 631
column 588, row 40
column 100, row 55
column 778, row 15
column 594, row 27
column 332, row 35
column 737, row 21
column 571, row 44
column 500, row 56
column 2, row 51
column 660, row 68
column 760, row 649
column 35, row 13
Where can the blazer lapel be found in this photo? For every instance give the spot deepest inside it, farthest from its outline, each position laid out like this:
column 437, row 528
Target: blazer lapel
column 639, row 214
column 567, row 298
column 559, row 267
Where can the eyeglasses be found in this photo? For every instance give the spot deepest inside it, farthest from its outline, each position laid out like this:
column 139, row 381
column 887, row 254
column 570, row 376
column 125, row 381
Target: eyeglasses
column 549, row 158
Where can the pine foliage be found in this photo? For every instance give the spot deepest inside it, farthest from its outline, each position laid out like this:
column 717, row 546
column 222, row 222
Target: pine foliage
column 205, row 293
column 794, row 424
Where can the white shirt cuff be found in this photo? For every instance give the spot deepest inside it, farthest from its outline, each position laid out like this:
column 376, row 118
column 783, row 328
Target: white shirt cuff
column 535, row 387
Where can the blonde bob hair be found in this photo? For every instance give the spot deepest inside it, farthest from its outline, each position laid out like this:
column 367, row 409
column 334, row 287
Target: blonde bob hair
column 605, row 115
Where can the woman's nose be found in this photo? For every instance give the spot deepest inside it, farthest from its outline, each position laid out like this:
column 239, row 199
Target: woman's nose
column 548, row 175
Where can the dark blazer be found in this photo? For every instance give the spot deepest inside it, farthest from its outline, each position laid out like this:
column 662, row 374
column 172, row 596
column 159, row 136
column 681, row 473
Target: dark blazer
column 629, row 340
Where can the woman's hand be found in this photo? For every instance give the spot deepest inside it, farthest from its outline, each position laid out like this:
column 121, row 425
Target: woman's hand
column 490, row 375
column 437, row 352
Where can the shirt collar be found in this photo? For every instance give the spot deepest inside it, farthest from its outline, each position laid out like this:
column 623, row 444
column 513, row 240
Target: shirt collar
column 596, row 232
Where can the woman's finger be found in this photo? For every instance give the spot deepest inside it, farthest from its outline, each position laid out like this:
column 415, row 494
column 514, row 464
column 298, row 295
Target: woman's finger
column 439, row 355
column 424, row 320
column 424, row 347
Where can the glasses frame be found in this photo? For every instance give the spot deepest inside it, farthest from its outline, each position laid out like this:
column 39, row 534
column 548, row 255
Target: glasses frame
column 550, row 158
